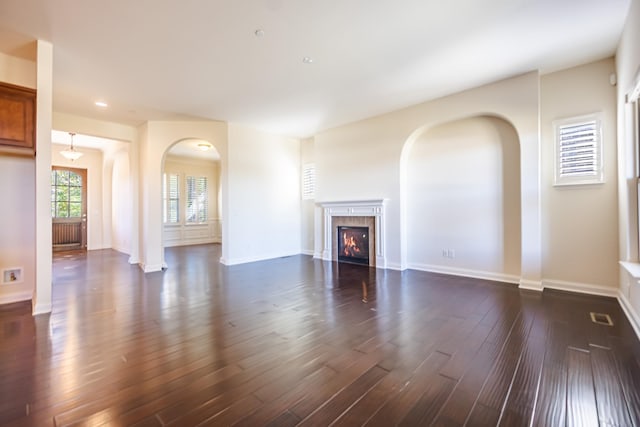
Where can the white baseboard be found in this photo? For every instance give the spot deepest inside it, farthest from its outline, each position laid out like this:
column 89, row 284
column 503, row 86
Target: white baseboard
column 42, row 309
column 308, row 252
column 632, row 315
column 395, row 266
column 476, row 274
column 150, row 268
column 583, row 288
column 10, row 298
column 237, row 261
column 531, row 285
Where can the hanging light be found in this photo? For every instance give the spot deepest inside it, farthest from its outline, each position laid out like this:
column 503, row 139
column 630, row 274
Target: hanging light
column 71, row 153
column 204, row 146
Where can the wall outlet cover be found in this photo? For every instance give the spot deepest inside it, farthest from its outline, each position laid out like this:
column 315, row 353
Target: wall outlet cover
column 12, row 275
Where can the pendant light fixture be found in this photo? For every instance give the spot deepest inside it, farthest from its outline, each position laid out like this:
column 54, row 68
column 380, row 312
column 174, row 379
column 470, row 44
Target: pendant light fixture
column 71, row 153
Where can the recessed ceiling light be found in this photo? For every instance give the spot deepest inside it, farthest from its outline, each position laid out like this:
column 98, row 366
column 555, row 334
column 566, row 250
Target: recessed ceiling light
column 307, row 60
column 259, row 32
column 101, row 104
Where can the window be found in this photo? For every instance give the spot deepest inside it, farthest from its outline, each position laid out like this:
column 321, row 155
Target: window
column 197, row 199
column 308, row 181
column 171, row 198
column 579, row 151
column 66, row 194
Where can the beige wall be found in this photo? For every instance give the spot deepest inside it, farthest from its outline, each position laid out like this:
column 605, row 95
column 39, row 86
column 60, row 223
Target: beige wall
column 17, row 186
column 580, row 223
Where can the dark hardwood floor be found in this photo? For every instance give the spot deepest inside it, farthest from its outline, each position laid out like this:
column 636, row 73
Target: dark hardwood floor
column 297, row 341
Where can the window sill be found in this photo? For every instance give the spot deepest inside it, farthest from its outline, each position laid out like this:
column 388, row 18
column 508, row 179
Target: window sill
column 633, row 268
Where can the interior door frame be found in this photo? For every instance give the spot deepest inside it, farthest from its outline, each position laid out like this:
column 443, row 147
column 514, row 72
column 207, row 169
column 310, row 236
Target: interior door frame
column 83, row 218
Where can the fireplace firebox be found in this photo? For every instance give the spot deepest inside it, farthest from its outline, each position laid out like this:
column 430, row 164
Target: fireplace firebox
column 353, row 245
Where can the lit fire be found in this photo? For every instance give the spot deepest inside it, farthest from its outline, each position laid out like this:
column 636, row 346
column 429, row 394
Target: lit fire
column 350, row 245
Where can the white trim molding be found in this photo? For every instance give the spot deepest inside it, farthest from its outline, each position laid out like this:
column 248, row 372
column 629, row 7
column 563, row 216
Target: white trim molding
column 237, row 261
column 582, row 288
column 629, row 292
column 632, row 315
column 476, row 274
column 531, row 285
column 17, row 296
column 372, row 208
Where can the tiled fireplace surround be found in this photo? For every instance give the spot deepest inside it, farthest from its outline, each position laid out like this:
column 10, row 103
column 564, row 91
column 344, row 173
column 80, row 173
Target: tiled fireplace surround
column 364, row 213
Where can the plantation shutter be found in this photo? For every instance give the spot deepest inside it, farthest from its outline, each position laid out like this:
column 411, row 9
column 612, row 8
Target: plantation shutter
column 578, row 151
column 171, row 193
column 308, row 181
column 197, row 199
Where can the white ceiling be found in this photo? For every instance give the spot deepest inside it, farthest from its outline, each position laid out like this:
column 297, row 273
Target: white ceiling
column 160, row 59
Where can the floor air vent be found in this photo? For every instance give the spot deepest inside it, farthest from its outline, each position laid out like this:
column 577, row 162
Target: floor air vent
column 601, row 319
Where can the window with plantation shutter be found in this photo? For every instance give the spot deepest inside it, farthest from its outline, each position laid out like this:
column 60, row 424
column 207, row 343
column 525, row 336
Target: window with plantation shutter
column 579, row 151
column 171, row 196
column 308, row 181
column 197, row 199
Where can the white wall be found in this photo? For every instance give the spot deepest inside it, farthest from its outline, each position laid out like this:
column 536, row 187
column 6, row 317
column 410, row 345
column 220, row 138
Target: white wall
column 308, row 206
column 580, row 223
column 121, row 213
column 92, row 162
column 463, row 200
column 190, row 234
column 263, row 202
column 17, row 186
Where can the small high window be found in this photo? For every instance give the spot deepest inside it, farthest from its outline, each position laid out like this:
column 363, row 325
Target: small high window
column 579, row 151
column 308, row 181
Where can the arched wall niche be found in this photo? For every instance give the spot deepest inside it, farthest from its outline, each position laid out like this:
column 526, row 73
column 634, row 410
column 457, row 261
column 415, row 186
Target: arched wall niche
column 460, row 191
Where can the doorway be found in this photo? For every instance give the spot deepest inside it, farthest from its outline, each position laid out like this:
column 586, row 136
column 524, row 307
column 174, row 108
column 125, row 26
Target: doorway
column 69, row 208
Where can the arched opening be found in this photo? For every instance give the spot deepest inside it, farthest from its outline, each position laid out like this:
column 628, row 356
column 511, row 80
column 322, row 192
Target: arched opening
column 191, row 194
column 461, row 199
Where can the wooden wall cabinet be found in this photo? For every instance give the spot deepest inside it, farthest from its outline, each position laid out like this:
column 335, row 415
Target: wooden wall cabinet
column 17, row 120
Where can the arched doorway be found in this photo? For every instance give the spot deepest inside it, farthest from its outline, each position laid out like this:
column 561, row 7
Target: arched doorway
column 191, row 194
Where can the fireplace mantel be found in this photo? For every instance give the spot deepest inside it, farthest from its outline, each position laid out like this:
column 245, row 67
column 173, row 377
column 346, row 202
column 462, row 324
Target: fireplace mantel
column 355, row 208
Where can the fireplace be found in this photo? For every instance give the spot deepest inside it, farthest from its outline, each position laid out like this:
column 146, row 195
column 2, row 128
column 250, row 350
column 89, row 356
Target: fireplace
column 353, row 244
column 360, row 213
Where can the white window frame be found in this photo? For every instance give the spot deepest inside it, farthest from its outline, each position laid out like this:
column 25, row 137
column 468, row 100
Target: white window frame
column 595, row 176
column 167, row 199
column 199, row 201
column 308, row 181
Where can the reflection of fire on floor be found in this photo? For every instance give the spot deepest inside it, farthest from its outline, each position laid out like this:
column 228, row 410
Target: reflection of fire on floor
column 364, row 291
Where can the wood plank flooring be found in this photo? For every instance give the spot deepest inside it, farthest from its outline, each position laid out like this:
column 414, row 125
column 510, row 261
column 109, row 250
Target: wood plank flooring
column 297, row 341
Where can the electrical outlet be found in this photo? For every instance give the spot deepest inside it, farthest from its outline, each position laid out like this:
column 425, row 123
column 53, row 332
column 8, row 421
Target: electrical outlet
column 445, row 253
column 11, row 275
column 452, row 253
